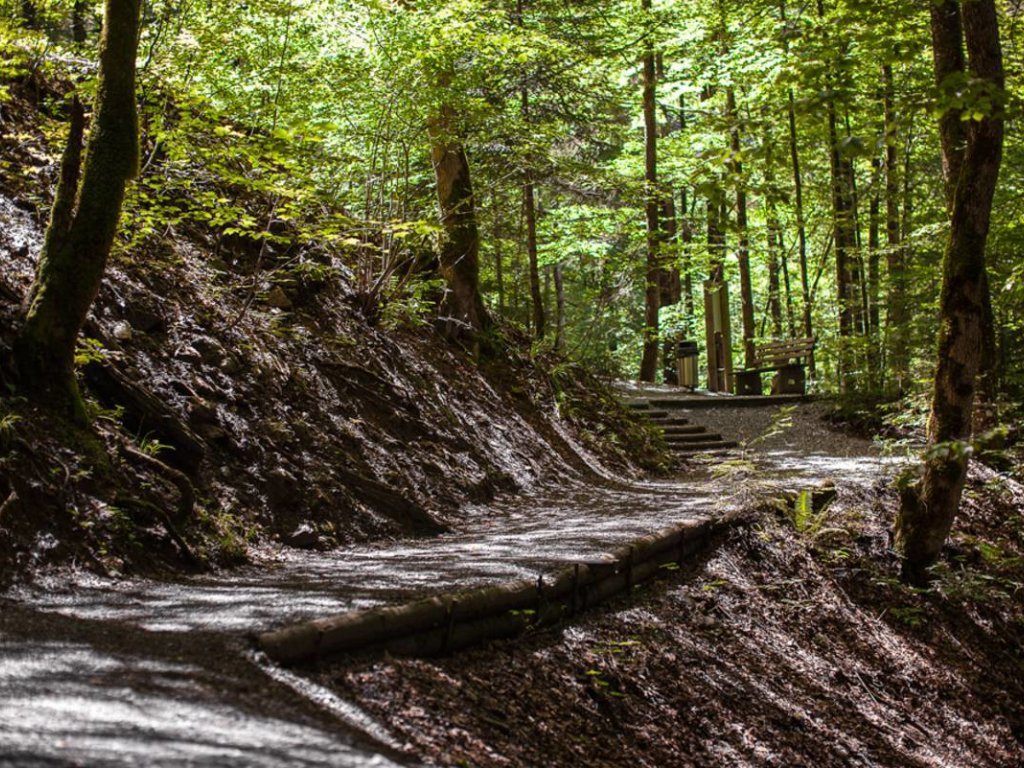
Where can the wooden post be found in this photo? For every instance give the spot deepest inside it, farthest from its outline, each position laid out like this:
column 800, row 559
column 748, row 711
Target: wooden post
column 719, row 335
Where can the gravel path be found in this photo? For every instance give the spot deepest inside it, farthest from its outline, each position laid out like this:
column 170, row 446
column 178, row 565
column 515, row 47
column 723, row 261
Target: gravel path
column 116, row 701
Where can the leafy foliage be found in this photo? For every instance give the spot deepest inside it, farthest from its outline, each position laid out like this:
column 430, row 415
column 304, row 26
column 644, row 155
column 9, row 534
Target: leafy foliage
column 277, row 123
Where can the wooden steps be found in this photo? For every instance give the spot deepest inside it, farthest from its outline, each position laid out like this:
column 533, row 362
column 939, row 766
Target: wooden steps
column 693, row 402
column 693, row 437
column 717, row 448
column 682, row 436
column 682, row 429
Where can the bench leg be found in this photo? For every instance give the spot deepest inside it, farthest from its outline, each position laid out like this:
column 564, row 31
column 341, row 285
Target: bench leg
column 789, row 380
column 748, row 383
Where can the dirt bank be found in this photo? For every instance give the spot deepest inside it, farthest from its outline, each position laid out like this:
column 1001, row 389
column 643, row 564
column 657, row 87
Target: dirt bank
column 295, row 406
column 792, row 645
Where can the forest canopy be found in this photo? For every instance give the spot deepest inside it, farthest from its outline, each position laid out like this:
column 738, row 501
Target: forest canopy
column 317, row 116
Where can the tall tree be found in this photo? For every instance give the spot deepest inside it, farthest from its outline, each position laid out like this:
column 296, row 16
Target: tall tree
column 530, row 211
column 84, row 220
column 743, row 237
column 929, row 507
column 652, row 288
column 896, row 318
column 798, row 205
column 463, row 312
column 78, row 12
column 844, row 217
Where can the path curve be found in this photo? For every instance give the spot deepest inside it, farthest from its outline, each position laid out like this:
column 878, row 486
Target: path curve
column 148, row 689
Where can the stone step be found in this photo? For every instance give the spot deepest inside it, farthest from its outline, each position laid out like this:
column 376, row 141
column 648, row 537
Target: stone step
column 638, row 405
column 682, row 429
column 656, row 415
column 694, row 449
column 724, row 401
column 669, row 418
column 697, row 437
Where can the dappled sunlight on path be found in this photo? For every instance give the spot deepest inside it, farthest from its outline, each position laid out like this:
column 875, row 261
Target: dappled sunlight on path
column 511, row 538
column 124, row 708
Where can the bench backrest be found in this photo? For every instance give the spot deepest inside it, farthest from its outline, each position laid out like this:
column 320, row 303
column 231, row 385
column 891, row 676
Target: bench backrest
column 781, row 352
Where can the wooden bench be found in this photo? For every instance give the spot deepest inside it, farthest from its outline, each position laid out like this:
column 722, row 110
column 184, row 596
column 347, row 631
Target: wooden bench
column 786, row 358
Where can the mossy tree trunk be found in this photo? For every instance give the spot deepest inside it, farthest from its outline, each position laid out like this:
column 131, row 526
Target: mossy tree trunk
column 929, row 508
column 463, row 315
column 83, row 225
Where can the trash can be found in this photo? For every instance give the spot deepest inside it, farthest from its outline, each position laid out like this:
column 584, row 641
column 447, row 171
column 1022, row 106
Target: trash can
column 687, row 356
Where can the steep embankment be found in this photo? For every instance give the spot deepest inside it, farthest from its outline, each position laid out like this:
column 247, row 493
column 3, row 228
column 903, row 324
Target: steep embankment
column 791, row 644
column 269, row 390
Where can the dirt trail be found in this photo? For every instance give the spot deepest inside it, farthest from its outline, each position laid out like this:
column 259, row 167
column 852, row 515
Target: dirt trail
column 127, row 664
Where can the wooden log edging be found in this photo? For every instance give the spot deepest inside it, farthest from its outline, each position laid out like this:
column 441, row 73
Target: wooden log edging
column 449, row 622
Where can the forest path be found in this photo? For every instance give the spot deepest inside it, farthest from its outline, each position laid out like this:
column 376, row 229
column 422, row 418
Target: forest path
column 96, row 669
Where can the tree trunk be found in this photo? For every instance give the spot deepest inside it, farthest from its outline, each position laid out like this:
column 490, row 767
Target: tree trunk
column 29, row 16
column 499, row 266
column 686, row 238
column 801, row 229
column 559, row 308
column 846, row 244
column 463, row 314
column 77, row 245
column 530, row 205
column 743, row 251
column 874, row 275
column 716, row 239
column 928, row 509
column 786, row 283
column 652, row 292
column 78, row 31
column 801, row 226
column 686, row 233
column 671, row 288
column 896, row 317
column 547, row 290
column 845, row 227
column 778, row 259
column 948, row 55
column 947, row 47
column 774, row 287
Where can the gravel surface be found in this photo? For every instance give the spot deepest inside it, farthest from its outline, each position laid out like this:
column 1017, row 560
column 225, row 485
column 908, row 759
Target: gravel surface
column 510, row 538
